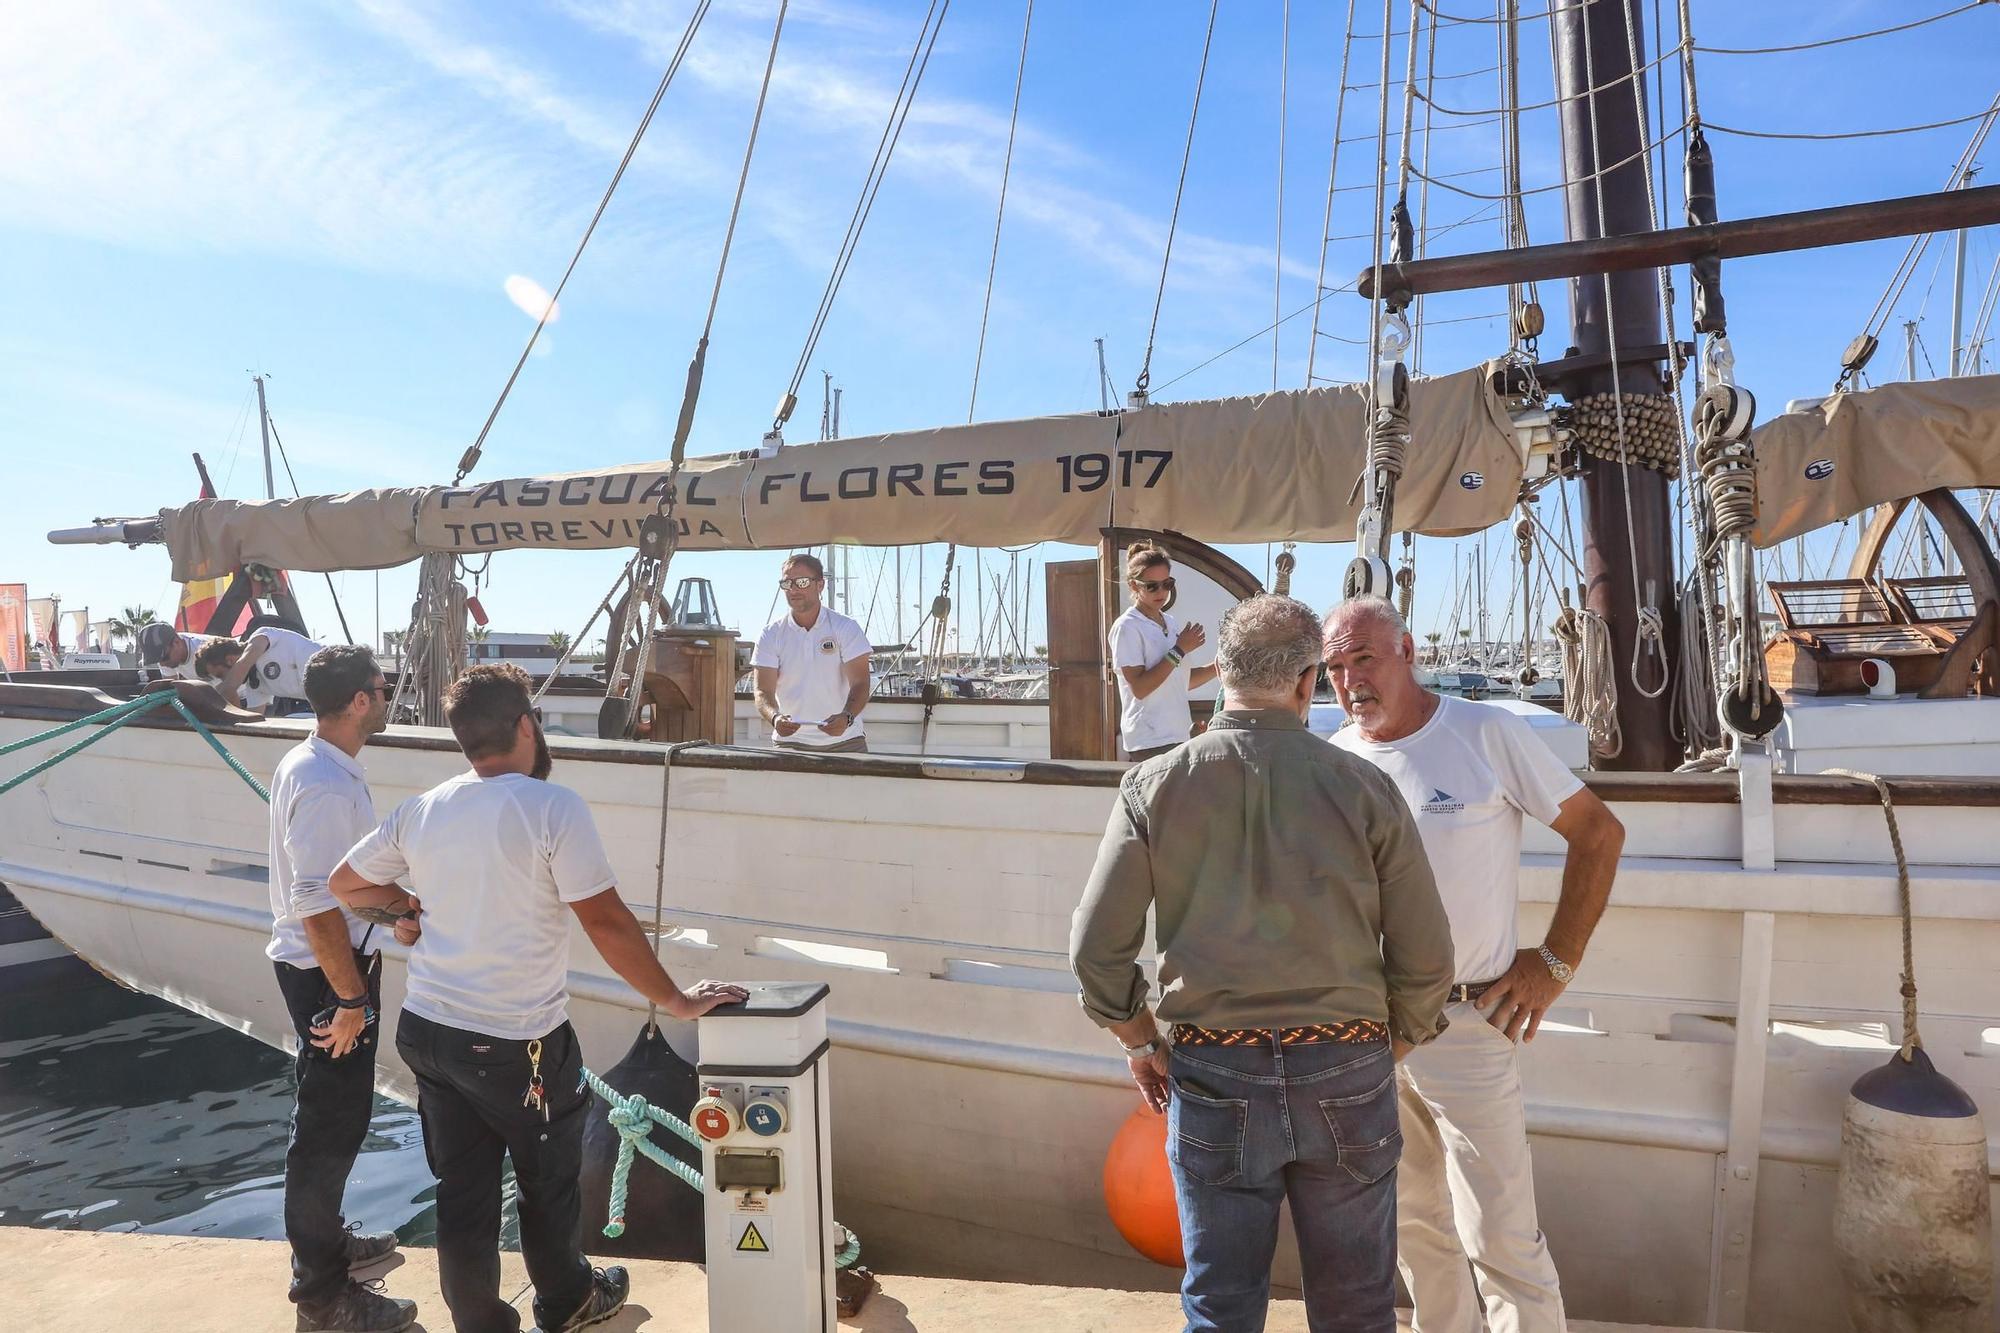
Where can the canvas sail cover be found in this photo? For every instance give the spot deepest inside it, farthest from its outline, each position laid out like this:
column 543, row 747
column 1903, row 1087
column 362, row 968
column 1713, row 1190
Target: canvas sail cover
column 1279, row 466
column 1857, row 450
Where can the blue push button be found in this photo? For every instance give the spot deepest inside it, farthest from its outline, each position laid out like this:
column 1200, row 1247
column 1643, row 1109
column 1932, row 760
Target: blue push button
column 764, row 1118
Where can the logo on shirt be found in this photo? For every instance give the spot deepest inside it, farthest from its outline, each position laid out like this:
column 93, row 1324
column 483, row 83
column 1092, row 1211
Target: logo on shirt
column 827, row 646
column 270, row 671
column 1442, row 803
column 1471, row 481
column 1819, row 469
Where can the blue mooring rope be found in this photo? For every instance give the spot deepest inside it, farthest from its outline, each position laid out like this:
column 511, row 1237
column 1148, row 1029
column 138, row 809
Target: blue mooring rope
column 634, row 1117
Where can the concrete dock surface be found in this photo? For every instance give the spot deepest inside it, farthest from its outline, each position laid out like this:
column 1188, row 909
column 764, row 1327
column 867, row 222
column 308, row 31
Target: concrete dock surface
column 84, row 1281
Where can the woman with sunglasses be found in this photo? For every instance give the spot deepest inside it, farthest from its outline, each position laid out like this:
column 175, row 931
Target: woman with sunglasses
column 1149, row 650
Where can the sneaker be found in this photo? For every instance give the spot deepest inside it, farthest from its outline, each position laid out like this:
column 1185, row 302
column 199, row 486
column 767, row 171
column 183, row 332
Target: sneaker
column 360, row 1307
column 368, row 1247
column 609, row 1288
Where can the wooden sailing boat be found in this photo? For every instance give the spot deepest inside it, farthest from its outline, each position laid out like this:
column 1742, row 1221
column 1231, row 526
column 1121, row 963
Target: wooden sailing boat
column 1753, row 929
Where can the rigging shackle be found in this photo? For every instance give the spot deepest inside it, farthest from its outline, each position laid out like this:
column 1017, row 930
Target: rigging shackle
column 786, row 406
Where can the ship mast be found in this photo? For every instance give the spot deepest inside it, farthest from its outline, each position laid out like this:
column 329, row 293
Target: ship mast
column 1627, row 515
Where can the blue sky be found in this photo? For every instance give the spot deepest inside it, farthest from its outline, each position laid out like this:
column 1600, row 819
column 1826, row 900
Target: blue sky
column 338, row 194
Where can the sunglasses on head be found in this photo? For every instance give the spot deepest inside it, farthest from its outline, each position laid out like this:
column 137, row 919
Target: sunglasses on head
column 1155, row 585
column 798, row 581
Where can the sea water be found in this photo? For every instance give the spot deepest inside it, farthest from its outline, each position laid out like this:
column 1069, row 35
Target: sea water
column 122, row 1112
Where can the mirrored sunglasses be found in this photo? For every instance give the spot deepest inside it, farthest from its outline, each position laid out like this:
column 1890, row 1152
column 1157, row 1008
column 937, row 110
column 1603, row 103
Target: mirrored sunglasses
column 801, row 582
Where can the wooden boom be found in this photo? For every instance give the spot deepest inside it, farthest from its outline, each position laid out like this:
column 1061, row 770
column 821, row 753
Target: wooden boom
column 1946, row 210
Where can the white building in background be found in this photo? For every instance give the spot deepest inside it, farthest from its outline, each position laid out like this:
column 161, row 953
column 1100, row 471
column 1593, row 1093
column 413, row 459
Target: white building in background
column 533, row 653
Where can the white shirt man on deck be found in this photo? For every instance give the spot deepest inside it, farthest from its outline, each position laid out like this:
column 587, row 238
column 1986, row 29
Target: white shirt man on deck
column 173, row 652
column 268, row 669
column 1468, row 1241
column 812, row 668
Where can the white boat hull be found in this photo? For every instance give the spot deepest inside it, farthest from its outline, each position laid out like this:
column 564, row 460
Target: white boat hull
column 970, row 1093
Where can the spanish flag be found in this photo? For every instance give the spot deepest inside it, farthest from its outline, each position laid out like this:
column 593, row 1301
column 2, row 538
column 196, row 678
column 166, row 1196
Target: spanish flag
column 198, row 599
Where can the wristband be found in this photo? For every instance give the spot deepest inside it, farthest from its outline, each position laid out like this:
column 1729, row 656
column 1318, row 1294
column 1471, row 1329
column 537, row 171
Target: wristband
column 358, row 1002
column 1175, row 655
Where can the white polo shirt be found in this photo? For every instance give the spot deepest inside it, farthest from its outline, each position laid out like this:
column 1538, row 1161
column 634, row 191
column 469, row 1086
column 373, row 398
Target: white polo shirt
column 1162, row 717
column 812, row 684
column 1469, row 774
column 194, row 644
column 493, row 861
column 281, row 672
column 320, row 807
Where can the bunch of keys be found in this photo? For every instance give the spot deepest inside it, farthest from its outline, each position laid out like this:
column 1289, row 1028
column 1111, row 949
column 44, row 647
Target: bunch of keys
column 535, row 1099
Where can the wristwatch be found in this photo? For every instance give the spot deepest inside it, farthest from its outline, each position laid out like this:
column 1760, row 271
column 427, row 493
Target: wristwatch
column 1558, row 969
column 1143, row 1049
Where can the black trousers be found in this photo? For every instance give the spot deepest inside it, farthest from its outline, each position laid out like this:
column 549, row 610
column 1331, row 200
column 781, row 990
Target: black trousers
column 329, row 1120
column 469, row 1091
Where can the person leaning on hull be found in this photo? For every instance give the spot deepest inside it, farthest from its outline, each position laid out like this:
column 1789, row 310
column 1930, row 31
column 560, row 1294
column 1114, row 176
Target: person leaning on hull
column 1468, row 1241
column 1149, row 649
column 264, row 673
column 1302, row 951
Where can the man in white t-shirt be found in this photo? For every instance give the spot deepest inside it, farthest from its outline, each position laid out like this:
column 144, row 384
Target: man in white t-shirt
column 162, row 646
column 496, row 855
column 812, row 668
column 1469, row 1244
column 268, row 668
column 331, row 981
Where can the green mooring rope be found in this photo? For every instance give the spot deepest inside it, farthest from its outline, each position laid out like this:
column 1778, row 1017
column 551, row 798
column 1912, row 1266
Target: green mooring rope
column 634, row 1117
column 109, row 720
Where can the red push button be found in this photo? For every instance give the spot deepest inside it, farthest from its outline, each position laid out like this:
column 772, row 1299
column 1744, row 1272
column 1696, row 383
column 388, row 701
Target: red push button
column 714, row 1118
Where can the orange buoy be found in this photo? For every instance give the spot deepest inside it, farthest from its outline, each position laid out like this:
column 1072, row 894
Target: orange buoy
column 1139, row 1189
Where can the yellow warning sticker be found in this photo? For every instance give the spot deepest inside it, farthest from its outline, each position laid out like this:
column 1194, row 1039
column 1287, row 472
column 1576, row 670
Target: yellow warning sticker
column 752, row 1240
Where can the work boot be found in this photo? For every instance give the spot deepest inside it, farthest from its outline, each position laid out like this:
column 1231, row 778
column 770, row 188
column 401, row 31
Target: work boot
column 368, row 1247
column 359, row 1307
column 609, row 1288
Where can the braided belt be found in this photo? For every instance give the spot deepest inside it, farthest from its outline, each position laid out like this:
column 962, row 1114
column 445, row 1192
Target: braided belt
column 1310, row 1034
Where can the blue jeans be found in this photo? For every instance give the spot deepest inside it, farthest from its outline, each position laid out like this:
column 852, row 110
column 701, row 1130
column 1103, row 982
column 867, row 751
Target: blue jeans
column 1251, row 1126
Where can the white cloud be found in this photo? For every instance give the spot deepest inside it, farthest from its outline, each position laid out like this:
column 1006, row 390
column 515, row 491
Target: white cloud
column 531, row 298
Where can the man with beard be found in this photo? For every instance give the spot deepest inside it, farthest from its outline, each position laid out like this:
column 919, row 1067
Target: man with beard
column 1468, row 1241
column 496, row 854
column 332, row 987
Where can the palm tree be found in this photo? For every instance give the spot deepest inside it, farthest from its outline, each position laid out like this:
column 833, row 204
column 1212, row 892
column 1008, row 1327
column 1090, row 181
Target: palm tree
column 560, row 642
column 125, row 626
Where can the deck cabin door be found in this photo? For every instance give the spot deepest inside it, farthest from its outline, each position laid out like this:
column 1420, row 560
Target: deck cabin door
column 1080, row 726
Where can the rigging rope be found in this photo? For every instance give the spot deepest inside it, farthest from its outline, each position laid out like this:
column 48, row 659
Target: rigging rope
column 1006, row 171
column 1648, row 636
column 1444, row 182
column 470, row 459
column 1332, row 188
column 1912, row 1039
column 1850, row 134
column 1836, row 41
column 1278, row 246
column 1173, row 221
column 871, row 185
column 1590, row 679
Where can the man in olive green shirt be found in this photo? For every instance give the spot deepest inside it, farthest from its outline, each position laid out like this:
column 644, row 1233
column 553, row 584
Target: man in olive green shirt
column 1302, row 948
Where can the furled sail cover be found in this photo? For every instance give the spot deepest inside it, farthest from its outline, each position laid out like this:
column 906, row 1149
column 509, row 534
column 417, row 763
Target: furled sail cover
column 1274, row 467
column 1857, row 450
